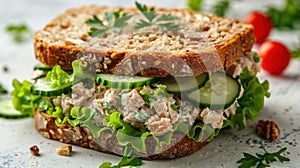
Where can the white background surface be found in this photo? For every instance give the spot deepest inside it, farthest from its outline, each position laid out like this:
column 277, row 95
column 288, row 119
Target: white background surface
column 18, row 135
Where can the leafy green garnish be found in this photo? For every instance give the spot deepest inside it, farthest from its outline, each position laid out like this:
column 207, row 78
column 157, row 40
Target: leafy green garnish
column 126, row 134
column 114, row 21
column 24, row 101
column 221, row 7
column 195, row 5
column 296, row 52
column 80, row 74
column 165, row 22
column 256, row 57
column 2, row 90
column 252, row 101
column 288, row 17
column 58, row 77
column 18, row 32
column 61, row 119
column 126, row 161
column 262, row 160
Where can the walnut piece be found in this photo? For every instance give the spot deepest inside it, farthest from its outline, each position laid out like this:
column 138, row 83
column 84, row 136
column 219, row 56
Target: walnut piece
column 34, row 150
column 64, row 151
column 268, row 130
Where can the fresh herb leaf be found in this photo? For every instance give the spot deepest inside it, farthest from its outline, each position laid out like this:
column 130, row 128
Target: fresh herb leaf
column 296, row 52
column 262, row 160
column 221, row 7
column 114, row 21
column 256, row 57
column 287, row 17
column 19, row 32
column 164, row 22
column 2, row 90
column 126, row 161
column 195, row 5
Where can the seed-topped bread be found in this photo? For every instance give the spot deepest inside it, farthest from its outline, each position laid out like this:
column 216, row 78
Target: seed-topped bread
column 205, row 43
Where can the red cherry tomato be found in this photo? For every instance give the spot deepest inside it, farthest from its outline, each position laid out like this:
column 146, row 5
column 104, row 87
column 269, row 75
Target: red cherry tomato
column 275, row 57
column 262, row 25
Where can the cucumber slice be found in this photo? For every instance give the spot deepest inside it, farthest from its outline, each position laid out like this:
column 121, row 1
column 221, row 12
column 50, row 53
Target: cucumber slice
column 42, row 68
column 8, row 111
column 124, row 82
column 219, row 92
column 42, row 87
column 177, row 85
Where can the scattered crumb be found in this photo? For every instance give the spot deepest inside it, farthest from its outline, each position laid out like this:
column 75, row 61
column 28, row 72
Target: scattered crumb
column 5, row 68
column 34, row 150
column 64, row 151
column 286, row 110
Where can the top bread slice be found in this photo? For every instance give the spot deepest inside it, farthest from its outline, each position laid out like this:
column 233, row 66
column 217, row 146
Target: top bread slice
column 206, row 43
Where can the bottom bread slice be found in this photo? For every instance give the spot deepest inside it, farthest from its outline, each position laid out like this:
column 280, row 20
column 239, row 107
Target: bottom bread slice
column 107, row 142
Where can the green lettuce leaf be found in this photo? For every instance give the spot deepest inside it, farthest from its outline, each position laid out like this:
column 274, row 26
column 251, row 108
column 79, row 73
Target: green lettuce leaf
column 84, row 117
column 61, row 118
column 252, row 101
column 58, row 77
column 199, row 132
column 24, row 101
column 127, row 134
column 80, row 74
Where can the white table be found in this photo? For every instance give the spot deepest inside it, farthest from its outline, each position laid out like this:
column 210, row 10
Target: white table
column 18, row 135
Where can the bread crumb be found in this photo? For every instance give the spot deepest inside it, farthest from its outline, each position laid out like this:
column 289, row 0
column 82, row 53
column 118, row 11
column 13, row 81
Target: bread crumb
column 34, row 150
column 64, row 151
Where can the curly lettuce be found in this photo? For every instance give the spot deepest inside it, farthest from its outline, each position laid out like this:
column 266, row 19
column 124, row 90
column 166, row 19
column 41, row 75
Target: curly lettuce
column 252, row 101
column 79, row 73
column 26, row 102
column 58, row 77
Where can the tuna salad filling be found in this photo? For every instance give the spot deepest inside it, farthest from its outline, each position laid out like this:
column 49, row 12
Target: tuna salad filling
column 147, row 106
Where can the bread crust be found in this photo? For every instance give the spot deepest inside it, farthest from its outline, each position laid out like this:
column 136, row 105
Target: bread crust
column 180, row 144
column 51, row 46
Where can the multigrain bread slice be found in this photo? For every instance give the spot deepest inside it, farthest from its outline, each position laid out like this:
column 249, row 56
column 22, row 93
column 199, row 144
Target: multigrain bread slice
column 180, row 144
column 207, row 43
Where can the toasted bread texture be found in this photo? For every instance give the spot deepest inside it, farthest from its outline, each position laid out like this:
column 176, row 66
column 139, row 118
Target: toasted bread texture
column 107, row 142
column 205, row 43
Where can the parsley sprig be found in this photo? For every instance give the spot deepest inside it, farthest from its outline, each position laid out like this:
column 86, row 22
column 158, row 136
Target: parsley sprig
column 195, row 5
column 114, row 21
column 221, row 7
column 262, row 160
column 165, row 22
column 287, row 17
column 296, row 53
column 126, row 161
column 19, row 32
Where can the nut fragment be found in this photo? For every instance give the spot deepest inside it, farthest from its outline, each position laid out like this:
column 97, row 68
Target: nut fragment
column 268, row 130
column 34, row 150
column 64, row 151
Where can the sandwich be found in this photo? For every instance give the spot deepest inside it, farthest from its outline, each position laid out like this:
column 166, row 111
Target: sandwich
column 162, row 82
